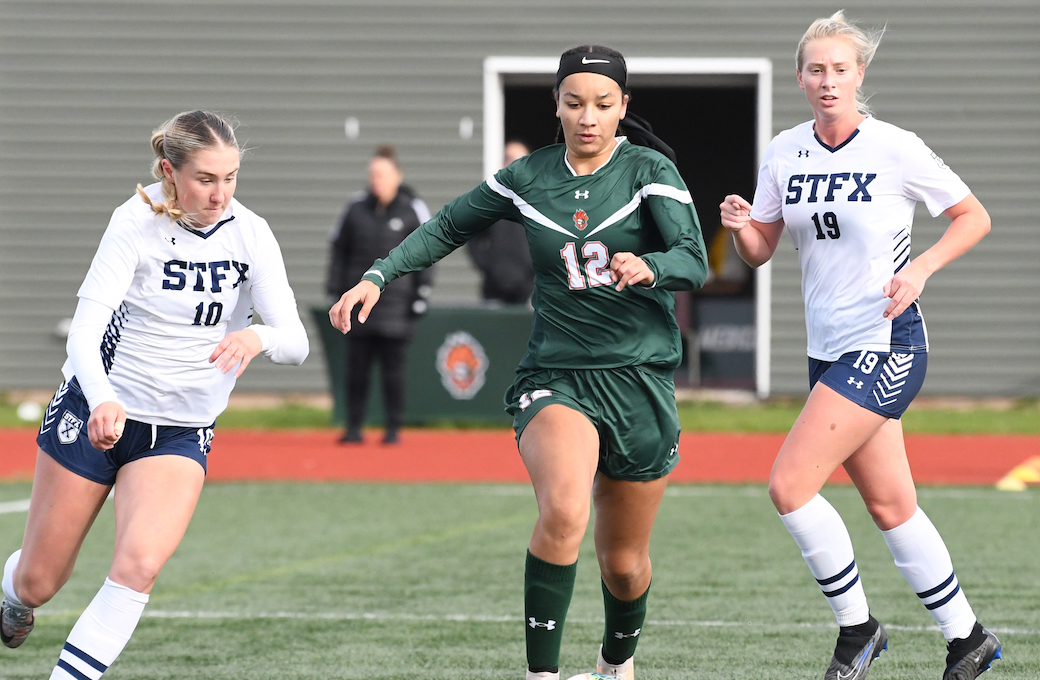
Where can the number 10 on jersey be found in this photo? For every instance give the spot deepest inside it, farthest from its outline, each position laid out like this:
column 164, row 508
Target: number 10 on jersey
column 212, row 314
column 596, row 271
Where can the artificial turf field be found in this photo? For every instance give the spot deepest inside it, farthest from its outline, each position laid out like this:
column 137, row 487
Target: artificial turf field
column 305, row 580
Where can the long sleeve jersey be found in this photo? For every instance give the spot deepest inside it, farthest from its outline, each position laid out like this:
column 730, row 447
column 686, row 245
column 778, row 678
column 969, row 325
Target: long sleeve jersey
column 635, row 202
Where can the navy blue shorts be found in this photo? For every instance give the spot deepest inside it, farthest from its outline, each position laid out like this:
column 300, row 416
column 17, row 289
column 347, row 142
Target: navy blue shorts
column 881, row 382
column 63, row 436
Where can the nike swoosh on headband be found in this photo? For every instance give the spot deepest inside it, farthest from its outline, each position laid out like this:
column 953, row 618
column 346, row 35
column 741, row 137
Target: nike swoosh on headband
column 586, row 60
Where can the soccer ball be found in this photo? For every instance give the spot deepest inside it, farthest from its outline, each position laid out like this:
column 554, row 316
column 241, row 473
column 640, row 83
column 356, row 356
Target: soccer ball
column 590, row 676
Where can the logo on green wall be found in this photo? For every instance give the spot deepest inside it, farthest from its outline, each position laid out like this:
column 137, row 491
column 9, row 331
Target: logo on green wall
column 462, row 363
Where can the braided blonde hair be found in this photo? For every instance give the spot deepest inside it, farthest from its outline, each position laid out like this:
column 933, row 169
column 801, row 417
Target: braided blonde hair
column 175, row 141
column 863, row 44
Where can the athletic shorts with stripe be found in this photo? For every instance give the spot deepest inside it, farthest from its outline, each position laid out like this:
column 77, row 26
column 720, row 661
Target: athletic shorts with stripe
column 63, row 436
column 632, row 409
column 884, row 383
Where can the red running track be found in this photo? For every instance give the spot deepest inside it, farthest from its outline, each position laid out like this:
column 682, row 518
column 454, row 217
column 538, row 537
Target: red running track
column 491, row 456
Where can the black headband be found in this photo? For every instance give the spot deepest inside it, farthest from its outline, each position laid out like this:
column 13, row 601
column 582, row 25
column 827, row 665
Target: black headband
column 593, row 62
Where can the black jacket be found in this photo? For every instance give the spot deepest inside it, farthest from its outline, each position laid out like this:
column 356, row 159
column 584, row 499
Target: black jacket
column 503, row 257
column 367, row 231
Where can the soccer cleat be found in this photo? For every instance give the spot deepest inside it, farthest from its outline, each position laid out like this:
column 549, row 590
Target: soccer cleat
column 855, row 651
column 16, row 622
column 624, row 671
column 970, row 657
column 543, row 675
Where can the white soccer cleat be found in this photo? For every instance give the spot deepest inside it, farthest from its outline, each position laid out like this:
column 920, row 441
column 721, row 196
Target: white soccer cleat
column 623, row 671
column 544, row 675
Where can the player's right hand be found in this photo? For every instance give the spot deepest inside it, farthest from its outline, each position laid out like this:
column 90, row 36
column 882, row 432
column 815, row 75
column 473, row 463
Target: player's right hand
column 105, row 425
column 366, row 293
column 735, row 212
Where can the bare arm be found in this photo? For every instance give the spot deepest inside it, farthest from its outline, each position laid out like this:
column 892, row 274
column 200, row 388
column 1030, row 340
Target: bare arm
column 755, row 241
column 969, row 223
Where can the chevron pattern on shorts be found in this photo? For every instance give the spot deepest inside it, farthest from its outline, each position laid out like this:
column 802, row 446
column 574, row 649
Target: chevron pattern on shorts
column 893, row 377
column 52, row 409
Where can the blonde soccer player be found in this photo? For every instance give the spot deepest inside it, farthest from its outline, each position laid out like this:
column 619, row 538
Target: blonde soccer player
column 845, row 186
column 160, row 334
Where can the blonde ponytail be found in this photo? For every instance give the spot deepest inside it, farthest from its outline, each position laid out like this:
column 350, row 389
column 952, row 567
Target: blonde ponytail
column 169, row 207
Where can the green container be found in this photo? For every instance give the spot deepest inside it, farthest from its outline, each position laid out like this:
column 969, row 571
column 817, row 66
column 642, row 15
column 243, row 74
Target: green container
column 459, row 365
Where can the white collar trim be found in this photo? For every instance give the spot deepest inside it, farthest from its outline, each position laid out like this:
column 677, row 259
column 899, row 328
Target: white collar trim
column 617, row 145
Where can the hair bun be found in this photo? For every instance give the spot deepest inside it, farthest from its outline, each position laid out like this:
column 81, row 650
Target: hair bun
column 159, row 143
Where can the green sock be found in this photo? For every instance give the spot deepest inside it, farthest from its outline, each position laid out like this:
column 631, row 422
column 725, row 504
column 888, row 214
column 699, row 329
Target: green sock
column 547, row 595
column 624, row 623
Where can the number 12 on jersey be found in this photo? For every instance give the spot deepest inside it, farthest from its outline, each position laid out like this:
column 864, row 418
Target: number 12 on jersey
column 597, row 265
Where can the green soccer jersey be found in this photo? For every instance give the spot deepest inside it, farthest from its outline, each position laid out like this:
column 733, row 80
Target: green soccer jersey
column 636, row 202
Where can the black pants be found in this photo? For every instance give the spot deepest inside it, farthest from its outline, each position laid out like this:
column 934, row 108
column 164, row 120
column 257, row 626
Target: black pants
column 363, row 352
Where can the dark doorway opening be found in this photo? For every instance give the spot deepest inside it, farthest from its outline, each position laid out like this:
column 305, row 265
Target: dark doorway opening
column 711, row 123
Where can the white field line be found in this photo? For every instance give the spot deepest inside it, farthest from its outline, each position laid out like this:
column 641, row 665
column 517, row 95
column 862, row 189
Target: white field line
column 485, row 618
column 759, row 491
column 14, row 506
column 23, row 505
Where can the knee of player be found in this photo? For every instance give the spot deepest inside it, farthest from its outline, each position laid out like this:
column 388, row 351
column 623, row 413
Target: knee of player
column 624, row 572
column 781, row 492
column 137, row 572
column 891, row 514
column 36, row 587
column 564, row 518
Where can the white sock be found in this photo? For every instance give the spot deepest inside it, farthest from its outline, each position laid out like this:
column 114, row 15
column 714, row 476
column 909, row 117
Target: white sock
column 100, row 634
column 921, row 555
column 818, row 530
column 8, row 582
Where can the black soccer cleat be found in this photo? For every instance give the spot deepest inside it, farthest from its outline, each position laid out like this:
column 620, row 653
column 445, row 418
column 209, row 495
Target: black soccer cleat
column 16, row 623
column 970, row 657
column 856, row 649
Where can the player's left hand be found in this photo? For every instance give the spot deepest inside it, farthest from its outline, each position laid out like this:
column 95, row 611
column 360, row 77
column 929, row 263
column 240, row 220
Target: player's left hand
column 236, row 348
column 628, row 269
column 904, row 288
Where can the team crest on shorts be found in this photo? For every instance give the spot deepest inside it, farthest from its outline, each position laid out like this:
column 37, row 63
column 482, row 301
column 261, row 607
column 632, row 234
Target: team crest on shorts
column 581, row 219
column 463, row 364
column 68, row 428
column 526, row 400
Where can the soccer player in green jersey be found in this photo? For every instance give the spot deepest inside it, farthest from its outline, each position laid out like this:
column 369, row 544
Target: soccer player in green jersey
column 613, row 232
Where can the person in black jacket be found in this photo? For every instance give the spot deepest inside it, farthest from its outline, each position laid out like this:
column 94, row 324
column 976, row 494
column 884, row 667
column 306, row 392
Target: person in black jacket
column 502, row 255
column 373, row 222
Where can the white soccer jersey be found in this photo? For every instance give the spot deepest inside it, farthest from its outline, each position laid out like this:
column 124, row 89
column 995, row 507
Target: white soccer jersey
column 176, row 293
column 849, row 211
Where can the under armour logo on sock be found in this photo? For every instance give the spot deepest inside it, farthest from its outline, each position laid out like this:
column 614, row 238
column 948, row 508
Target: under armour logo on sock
column 549, row 625
column 622, row 636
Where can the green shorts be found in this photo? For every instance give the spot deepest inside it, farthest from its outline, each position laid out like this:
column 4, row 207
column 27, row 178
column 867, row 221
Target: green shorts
column 632, row 409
